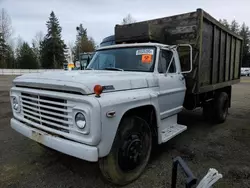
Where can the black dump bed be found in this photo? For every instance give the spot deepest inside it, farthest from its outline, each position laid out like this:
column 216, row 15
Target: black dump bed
column 216, row 50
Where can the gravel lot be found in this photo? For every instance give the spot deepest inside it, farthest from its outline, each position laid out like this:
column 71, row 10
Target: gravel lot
column 226, row 147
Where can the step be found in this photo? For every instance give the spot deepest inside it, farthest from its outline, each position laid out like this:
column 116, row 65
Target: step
column 172, row 131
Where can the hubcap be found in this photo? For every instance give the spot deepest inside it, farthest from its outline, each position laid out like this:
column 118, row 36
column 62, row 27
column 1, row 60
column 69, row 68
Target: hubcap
column 130, row 155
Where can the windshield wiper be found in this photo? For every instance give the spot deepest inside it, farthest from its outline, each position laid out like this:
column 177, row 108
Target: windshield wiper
column 89, row 69
column 113, row 68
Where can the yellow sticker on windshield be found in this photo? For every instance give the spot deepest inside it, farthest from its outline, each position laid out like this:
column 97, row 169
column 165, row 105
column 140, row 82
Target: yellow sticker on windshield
column 146, row 58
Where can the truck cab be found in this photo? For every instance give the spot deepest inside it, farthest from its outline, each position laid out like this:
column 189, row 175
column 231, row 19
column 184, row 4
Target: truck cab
column 124, row 84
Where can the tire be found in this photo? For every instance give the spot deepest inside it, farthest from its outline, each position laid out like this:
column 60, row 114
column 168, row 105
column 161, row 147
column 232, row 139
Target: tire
column 130, row 152
column 221, row 105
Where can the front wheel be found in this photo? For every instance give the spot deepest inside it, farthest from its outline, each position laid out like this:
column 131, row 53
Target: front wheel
column 130, row 152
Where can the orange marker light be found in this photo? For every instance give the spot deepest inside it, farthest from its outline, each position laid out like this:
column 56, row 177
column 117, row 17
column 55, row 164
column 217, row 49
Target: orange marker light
column 98, row 90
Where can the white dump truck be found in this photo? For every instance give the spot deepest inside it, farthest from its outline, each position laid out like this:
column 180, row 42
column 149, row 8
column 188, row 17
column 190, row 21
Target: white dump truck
column 131, row 93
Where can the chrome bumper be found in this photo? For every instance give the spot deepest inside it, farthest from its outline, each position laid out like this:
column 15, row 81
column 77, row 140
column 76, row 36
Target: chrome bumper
column 81, row 151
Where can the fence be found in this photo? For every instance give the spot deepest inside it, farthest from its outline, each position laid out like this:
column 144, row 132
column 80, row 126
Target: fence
column 24, row 71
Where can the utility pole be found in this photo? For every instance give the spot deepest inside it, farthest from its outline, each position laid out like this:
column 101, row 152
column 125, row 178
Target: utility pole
column 79, row 38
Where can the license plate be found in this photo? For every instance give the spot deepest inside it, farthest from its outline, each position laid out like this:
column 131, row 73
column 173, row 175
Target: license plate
column 37, row 136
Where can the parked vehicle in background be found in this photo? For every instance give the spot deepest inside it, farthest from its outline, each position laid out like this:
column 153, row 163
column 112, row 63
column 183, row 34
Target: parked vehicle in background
column 85, row 59
column 110, row 40
column 245, row 71
column 132, row 92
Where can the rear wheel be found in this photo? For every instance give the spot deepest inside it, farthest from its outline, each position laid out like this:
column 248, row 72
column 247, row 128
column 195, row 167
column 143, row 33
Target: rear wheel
column 217, row 109
column 130, row 152
column 221, row 107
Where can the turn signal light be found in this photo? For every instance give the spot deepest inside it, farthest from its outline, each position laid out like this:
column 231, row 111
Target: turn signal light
column 98, row 90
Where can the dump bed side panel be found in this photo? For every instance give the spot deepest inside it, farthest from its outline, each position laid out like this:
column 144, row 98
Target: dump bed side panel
column 221, row 56
column 206, row 58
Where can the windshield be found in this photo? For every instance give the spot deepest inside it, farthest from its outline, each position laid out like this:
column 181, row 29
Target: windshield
column 127, row 59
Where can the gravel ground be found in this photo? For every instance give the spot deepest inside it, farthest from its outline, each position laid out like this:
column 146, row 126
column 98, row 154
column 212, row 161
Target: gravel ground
column 226, row 147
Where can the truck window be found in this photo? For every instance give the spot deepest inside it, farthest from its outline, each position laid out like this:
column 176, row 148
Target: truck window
column 164, row 60
column 126, row 59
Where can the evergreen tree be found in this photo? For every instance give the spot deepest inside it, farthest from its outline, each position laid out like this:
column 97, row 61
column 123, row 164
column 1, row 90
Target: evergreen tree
column 5, row 34
column 26, row 58
column 10, row 58
column 83, row 42
column 235, row 27
column 82, row 32
column 245, row 34
column 53, row 47
column 225, row 23
column 3, row 50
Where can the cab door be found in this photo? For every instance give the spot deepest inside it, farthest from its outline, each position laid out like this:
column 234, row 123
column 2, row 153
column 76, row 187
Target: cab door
column 172, row 85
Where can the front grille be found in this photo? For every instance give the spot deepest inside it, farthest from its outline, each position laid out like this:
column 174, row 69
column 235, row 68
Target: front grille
column 50, row 112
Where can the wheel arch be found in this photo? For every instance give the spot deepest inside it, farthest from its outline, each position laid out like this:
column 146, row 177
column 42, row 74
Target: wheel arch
column 149, row 114
column 141, row 111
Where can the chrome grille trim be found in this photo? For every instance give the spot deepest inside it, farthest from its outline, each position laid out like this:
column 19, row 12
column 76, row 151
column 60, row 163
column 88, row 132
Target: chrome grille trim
column 51, row 112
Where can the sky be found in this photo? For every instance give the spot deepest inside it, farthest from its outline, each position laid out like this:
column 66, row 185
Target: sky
column 100, row 16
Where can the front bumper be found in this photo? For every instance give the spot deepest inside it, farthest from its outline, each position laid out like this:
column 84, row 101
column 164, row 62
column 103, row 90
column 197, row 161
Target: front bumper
column 81, row 151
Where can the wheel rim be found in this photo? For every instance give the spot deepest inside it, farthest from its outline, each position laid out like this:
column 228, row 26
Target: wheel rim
column 135, row 148
column 130, row 155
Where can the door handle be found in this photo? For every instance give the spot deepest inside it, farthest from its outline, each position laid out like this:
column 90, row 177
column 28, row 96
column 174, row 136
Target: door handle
column 181, row 78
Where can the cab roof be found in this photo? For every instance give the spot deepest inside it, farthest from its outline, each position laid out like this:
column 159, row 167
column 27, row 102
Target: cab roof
column 133, row 45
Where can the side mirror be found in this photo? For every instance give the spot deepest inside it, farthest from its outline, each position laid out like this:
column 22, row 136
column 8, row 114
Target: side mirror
column 185, row 52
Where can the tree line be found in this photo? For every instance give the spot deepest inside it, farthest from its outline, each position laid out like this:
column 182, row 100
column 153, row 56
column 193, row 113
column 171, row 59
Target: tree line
column 46, row 51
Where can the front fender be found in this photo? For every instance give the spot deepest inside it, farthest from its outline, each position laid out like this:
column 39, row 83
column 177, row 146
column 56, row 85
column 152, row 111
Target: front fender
column 120, row 102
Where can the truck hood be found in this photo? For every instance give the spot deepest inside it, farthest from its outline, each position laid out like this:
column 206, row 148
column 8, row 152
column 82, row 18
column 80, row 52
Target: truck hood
column 84, row 81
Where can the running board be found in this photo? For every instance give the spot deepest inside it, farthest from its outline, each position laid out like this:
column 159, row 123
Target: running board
column 172, row 131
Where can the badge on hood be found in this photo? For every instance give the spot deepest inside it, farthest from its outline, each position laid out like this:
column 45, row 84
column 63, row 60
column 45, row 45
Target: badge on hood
column 108, row 88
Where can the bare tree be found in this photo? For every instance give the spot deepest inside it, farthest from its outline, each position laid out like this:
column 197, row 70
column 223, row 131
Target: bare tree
column 5, row 24
column 39, row 36
column 128, row 20
column 19, row 43
column 71, row 49
column 71, row 46
column 36, row 46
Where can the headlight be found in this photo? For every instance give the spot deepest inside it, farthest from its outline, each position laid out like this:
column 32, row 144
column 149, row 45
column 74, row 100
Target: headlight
column 80, row 120
column 15, row 103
